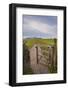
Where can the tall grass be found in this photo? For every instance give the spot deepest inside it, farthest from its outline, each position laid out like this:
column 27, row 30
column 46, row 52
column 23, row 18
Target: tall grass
column 30, row 42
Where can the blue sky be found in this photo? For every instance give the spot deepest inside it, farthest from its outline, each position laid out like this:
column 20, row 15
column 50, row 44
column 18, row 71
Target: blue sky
column 39, row 26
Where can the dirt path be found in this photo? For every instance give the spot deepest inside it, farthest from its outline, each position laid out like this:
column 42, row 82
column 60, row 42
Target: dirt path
column 37, row 67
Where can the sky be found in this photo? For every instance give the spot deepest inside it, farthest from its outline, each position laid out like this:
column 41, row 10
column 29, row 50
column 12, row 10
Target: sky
column 36, row 26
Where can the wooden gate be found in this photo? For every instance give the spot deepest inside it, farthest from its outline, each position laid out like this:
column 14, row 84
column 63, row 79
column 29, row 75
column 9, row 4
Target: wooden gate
column 43, row 59
column 46, row 55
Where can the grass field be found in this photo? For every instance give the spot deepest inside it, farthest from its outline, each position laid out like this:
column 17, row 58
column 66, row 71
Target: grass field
column 43, row 43
column 30, row 42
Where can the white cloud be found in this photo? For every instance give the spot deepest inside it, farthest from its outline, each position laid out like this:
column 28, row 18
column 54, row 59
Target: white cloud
column 42, row 27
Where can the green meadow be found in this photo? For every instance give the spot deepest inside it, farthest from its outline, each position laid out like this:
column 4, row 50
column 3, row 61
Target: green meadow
column 31, row 41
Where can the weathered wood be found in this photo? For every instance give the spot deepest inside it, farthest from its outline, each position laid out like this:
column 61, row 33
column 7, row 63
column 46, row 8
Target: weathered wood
column 37, row 53
column 40, row 60
column 36, row 66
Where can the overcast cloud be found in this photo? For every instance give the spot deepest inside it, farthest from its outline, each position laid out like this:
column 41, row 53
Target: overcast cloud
column 39, row 26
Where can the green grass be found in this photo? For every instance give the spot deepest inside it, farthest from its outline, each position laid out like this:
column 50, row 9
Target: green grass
column 52, row 69
column 43, row 48
column 30, row 42
column 27, row 71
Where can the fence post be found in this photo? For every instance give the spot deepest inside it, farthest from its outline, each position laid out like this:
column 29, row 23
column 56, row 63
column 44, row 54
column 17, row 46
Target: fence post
column 37, row 53
column 53, row 53
column 51, row 58
column 49, row 61
column 54, row 58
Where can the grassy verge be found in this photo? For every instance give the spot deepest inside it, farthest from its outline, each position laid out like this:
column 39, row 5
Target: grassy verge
column 27, row 71
column 31, row 42
column 52, row 69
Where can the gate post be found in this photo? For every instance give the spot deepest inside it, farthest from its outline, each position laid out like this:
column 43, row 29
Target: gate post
column 53, row 53
column 37, row 53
